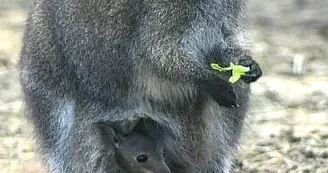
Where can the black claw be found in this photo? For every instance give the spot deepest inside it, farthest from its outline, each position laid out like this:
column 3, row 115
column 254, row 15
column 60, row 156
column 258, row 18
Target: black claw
column 254, row 73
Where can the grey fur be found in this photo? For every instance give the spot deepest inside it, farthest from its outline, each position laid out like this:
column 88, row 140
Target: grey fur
column 90, row 61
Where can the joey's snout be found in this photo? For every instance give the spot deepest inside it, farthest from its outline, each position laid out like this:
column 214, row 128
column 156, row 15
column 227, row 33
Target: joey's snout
column 161, row 168
column 164, row 169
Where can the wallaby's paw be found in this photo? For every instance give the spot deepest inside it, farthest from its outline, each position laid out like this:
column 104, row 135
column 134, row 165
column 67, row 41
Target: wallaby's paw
column 221, row 91
column 254, row 73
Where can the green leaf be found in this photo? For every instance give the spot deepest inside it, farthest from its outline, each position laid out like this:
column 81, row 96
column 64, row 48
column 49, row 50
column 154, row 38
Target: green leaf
column 240, row 69
column 219, row 68
column 216, row 67
column 234, row 78
column 237, row 70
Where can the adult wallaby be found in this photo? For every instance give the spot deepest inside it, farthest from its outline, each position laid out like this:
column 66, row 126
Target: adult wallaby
column 90, row 61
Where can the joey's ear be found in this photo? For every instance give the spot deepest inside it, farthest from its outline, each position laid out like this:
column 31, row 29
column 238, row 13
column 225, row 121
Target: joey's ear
column 113, row 133
column 126, row 126
column 141, row 126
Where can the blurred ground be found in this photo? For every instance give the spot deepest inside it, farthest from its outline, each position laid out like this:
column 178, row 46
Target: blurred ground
column 287, row 128
column 288, row 120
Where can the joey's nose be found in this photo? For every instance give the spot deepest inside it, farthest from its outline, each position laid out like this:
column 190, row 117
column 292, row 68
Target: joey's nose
column 165, row 169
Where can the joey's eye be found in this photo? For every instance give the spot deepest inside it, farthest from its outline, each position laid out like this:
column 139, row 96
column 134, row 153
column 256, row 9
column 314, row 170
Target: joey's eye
column 142, row 158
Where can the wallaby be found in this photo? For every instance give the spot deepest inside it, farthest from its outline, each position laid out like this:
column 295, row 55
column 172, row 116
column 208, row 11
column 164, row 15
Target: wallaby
column 90, row 61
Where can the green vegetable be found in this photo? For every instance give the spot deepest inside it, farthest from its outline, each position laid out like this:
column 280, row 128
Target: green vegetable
column 237, row 70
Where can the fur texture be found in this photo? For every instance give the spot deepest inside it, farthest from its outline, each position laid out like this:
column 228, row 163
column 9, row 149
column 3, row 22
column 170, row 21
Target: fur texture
column 90, row 61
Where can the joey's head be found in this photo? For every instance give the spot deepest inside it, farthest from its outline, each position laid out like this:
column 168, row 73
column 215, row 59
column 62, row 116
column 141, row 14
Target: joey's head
column 138, row 153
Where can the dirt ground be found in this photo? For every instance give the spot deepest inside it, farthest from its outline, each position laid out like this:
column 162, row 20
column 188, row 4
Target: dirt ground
column 287, row 125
